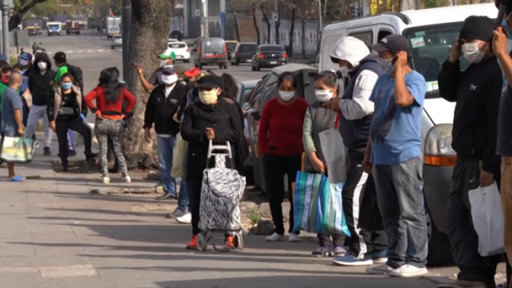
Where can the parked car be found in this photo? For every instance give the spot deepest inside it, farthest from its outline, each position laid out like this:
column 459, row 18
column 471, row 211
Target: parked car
column 243, row 53
column 180, row 49
column 230, row 45
column 117, row 41
column 268, row 56
column 210, row 51
column 244, row 88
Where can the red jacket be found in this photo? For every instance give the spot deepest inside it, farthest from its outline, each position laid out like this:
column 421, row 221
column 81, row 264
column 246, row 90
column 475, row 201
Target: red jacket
column 110, row 110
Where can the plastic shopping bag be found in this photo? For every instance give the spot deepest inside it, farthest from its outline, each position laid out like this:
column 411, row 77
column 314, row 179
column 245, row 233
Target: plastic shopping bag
column 17, row 149
column 487, row 219
column 179, row 158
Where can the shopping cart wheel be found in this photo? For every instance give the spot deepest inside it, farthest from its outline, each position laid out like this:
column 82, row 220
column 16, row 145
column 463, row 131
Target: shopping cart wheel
column 202, row 242
column 238, row 241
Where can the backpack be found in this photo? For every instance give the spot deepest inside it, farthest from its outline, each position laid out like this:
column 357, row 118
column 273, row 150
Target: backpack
column 79, row 81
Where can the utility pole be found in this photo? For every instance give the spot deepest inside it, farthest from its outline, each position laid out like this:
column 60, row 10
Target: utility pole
column 7, row 5
column 276, row 22
column 126, row 18
column 320, row 26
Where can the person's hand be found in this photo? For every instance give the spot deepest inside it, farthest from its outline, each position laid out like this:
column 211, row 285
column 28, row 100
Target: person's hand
column 486, row 178
column 319, row 166
column 147, row 135
column 499, row 42
column 139, row 69
column 455, row 52
column 52, row 125
column 401, row 59
column 333, row 104
column 21, row 130
column 210, row 133
column 367, row 165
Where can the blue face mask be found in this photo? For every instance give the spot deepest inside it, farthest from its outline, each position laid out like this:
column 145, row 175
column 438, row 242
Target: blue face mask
column 66, row 86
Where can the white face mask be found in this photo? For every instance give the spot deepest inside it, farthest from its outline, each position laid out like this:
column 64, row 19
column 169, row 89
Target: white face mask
column 169, row 79
column 386, row 65
column 323, row 95
column 472, row 53
column 163, row 63
column 286, row 95
column 344, row 71
column 42, row 65
column 208, row 97
column 23, row 62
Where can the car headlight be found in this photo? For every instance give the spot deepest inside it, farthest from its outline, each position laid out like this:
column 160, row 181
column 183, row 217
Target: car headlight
column 438, row 146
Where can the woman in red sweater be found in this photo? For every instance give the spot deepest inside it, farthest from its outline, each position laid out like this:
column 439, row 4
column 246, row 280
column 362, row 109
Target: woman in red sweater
column 280, row 142
column 110, row 95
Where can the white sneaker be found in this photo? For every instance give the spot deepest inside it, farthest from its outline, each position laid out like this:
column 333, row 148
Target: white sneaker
column 185, row 218
column 382, row 269
column 106, row 180
column 293, row 237
column 274, row 237
column 407, row 270
column 381, row 260
column 127, row 179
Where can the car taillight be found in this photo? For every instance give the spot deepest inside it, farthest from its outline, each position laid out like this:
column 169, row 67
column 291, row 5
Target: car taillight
column 188, row 49
column 260, row 55
column 285, row 55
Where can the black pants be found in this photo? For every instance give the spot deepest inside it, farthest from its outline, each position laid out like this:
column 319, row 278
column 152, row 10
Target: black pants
column 275, row 169
column 194, row 194
column 76, row 125
column 362, row 241
column 462, row 234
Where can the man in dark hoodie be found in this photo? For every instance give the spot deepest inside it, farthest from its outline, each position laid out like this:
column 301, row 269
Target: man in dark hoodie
column 477, row 91
column 39, row 84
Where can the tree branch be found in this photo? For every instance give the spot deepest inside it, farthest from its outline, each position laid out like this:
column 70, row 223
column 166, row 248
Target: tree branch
column 18, row 14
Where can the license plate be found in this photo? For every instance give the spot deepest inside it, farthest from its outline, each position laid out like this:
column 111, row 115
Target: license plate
column 249, row 61
column 273, row 62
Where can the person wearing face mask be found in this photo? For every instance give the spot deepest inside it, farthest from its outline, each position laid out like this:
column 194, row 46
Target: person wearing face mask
column 64, row 114
column 368, row 241
column 5, row 74
column 316, row 120
column 280, row 143
column 477, row 92
column 393, row 156
column 42, row 91
column 110, row 95
column 164, row 106
column 210, row 118
column 166, row 59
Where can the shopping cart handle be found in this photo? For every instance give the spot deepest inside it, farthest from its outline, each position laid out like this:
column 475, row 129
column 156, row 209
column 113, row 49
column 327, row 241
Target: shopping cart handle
column 226, row 149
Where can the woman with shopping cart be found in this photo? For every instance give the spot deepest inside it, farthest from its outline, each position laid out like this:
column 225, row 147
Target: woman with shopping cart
column 209, row 119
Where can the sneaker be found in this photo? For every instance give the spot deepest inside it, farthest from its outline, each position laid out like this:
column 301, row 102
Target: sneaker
column 106, row 180
column 229, row 242
column 379, row 257
column 71, row 153
column 340, row 251
column 407, row 270
column 192, row 245
column 176, row 213
column 382, row 269
column 293, row 237
column 351, row 260
column 185, row 218
column 167, row 196
column 274, row 237
column 89, row 156
column 36, row 144
column 321, row 252
column 46, row 151
column 127, row 179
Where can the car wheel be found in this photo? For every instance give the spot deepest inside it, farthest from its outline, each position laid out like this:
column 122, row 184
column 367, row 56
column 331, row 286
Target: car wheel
column 439, row 248
column 258, row 68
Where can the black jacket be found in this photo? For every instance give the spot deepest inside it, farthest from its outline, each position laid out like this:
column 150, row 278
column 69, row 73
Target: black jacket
column 222, row 117
column 477, row 91
column 161, row 111
column 39, row 84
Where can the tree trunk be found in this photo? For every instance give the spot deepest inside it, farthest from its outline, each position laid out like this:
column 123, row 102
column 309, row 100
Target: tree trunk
column 254, row 20
column 237, row 29
column 148, row 39
column 292, row 28
column 278, row 23
column 303, row 38
column 265, row 18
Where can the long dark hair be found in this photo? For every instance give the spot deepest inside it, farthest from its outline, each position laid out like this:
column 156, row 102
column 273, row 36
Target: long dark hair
column 230, row 87
column 109, row 78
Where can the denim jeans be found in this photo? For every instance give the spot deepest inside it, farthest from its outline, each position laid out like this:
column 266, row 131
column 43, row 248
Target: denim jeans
column 183, row 197
column 165, row 148
column 401, row 203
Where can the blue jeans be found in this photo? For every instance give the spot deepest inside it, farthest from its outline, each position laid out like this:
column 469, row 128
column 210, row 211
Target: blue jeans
column 165, row 148
column 183, row 197
column 400, row 200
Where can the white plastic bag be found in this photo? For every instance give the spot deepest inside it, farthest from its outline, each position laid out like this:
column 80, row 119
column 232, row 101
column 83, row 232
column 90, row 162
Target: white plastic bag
column 487, row 219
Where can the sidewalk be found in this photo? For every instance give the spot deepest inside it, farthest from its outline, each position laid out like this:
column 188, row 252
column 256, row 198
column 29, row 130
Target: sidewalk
column 55, row 233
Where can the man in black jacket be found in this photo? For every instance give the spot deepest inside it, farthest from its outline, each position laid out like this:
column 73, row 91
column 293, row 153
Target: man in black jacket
column 477, row 92
column 40, row 87
column 166, row 101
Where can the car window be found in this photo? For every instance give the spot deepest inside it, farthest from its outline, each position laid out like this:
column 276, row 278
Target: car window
column 175, row 45
column 365, row 36
column 271, row 49
column 247, row 48
column 210, row 46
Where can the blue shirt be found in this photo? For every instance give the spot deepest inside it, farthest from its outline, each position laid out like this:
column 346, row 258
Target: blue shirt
column 11, row 101
column 395, row 132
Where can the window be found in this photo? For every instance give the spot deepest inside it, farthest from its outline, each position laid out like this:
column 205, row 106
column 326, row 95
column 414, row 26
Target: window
column 365, row 36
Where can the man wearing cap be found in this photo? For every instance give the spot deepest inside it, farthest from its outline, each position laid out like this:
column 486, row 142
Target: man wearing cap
column 365, row 246
column 155, row 78
column 477, row 91
column 393, row 155
column 165, row 102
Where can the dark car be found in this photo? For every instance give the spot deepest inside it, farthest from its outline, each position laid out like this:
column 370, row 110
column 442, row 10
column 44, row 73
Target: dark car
column 269, row 56
column 243, row 53
column 210, row 51
column 230, row 46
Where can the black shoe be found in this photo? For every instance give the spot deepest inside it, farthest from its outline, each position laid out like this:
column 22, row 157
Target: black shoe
column 71, row 153
column 65, row 166
column 90, row 156
column 46, row 151
column 168, row 196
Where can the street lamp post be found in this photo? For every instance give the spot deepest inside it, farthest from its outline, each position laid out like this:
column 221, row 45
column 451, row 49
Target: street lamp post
column 5, row 27
column 126, row 25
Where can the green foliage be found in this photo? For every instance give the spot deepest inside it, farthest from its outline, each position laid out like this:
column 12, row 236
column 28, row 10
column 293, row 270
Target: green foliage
column 254, row 217
column 435, row 3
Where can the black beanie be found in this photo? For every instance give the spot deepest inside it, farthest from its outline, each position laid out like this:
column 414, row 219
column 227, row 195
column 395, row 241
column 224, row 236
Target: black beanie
column 477, row 27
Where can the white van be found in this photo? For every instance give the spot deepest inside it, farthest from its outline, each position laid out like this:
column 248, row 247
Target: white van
column 431, row 32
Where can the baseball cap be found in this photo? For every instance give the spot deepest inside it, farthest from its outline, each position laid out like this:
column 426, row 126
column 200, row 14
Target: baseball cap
column 210, row 81
column 26, row 56
column 3, row 57
column 168, row 70
column 166, row 55
column 60, row 57
column 393, row 43
column 192, row 72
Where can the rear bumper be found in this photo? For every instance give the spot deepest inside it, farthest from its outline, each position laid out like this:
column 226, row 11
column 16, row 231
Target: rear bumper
column 270, row 62
column 212, row 60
